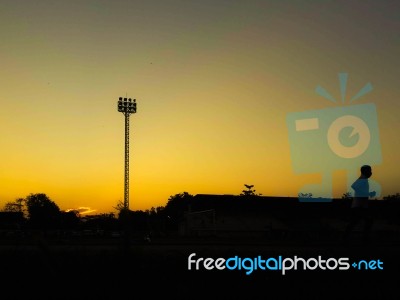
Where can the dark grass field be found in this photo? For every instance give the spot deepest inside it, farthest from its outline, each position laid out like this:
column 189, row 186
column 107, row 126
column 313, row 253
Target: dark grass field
column 138, row 270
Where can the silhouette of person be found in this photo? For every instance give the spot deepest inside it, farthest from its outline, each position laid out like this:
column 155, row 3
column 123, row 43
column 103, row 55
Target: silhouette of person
column 359, row 206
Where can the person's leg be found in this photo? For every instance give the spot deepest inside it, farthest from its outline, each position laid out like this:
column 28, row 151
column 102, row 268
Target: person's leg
column 353, row 220
column 368, row 222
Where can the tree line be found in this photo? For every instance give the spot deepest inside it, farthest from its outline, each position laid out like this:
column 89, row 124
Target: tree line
column 38, row 211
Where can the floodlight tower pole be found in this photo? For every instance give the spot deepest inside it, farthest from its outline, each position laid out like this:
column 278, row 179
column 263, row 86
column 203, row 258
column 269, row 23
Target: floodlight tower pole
column 126, row 181
column 127, row 107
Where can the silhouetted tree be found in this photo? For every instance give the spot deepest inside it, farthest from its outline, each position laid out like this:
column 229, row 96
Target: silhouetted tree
column 178, row 202
column 394, row 197
column 157, row 220
column 305, row 195
column 43, row 213
column 139, row 220
column 249, row 191
column 176, row 206
column 120, row 206
column 106, row 221
column 347, row 196
column 17, row 206
column 123, row 214
column 70, row 220
column 393, row 206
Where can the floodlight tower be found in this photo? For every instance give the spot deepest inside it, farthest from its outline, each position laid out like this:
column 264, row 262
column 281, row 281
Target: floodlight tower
column 127, row 106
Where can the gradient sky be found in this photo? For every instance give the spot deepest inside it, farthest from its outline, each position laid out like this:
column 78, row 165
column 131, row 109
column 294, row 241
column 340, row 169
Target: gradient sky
column 214, row 82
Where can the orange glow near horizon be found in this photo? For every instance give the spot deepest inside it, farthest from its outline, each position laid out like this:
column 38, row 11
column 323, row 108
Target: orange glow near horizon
column 213, row 89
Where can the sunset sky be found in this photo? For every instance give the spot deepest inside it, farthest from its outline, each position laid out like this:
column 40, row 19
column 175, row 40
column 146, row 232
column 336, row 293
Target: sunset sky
column 214, row 82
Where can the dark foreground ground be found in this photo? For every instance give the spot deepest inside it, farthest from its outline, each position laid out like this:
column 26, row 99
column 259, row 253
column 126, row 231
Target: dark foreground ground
column 159, row 270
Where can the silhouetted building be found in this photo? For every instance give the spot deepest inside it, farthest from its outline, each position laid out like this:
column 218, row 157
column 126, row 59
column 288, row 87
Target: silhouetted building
column 278, row 217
